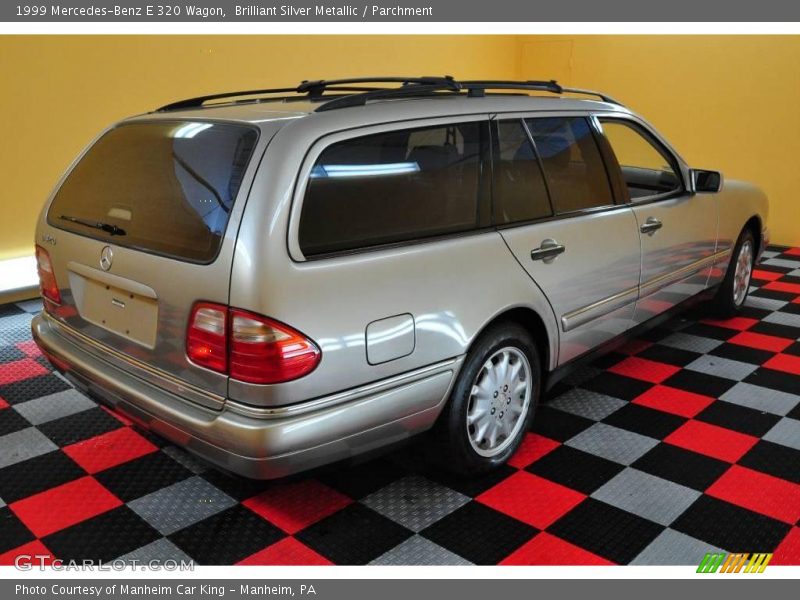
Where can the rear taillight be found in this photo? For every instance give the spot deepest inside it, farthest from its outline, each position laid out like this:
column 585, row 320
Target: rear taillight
column 47, row 277
column 247, row 346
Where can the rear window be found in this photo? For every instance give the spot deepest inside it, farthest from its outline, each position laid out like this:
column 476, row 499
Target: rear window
column 164, row 187
column 393, row 187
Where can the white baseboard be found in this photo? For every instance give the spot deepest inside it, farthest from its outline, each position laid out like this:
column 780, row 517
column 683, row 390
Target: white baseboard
column 18, row 274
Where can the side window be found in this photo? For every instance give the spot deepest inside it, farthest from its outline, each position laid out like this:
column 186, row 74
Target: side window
column 393, row 187
column 519, row 190
column 576, row 175
column 646, row 168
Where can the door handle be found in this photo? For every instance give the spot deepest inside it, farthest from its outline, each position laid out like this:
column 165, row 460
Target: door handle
column 547, row 251
column 651, row 225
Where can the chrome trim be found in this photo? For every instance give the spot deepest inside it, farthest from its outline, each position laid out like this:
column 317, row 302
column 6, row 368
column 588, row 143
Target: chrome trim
column 137, row 368
column 384, row 385
column 658, row 283
column 580, row 316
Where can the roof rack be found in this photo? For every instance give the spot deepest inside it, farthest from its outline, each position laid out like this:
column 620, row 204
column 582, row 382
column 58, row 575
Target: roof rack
column 315, row 90
column 357, row 92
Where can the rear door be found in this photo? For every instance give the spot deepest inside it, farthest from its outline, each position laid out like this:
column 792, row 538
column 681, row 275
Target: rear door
column 141, row 228
column 678, row 230
column 555, row 208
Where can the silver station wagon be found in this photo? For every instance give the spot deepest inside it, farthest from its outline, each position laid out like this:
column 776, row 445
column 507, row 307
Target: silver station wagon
column 278, row 279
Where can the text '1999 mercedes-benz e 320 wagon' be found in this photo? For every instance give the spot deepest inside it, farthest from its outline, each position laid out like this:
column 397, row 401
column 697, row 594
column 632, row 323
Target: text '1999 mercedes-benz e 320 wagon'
column 278, row 279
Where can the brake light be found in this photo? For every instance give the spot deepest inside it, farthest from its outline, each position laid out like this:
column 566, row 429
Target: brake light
column 47, row 277
column 247, row 346
column 206, row 338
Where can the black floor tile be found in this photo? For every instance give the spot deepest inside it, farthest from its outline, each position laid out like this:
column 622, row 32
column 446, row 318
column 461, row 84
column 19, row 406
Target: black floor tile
column 227, row 537
column 606, row 530
column 557, row 424
column 646, row 421
column 699, row 383
column 353, row 536
column 681, row 466
column 617, row 386
column 669, row 355
column 575, row 469
column 36, row 475
column 13, row 532
column 738, row 418
column 81, row 426
column 28, row 389
column 774, row 459
column 142, row 476
column 481, row 535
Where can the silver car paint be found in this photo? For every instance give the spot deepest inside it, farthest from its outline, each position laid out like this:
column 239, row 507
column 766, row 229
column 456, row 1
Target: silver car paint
column 451, row 288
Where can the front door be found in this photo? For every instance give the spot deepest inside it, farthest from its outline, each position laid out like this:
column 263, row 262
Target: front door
column 556, row 211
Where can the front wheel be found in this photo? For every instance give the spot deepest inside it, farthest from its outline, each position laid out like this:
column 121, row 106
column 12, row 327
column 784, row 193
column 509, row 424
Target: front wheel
column 732, row 292
column 492, row 403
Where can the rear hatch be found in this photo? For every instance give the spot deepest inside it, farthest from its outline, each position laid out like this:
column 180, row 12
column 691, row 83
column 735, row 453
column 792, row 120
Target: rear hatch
column 142, row 227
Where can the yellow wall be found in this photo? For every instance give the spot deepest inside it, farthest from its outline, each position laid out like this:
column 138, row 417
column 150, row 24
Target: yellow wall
column 60, row 91
column 725, row 102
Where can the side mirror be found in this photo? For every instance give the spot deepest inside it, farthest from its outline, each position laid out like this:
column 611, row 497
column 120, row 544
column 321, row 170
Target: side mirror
column 706, row 181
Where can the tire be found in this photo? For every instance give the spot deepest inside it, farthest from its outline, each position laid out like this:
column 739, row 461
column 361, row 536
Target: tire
column 732, row 292
column 454, row 438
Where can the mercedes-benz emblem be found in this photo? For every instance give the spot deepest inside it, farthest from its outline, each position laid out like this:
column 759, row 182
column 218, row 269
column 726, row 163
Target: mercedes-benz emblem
column 106, row 258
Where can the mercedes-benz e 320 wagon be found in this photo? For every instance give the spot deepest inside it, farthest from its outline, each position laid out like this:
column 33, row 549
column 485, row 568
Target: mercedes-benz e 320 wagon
column 278, row 279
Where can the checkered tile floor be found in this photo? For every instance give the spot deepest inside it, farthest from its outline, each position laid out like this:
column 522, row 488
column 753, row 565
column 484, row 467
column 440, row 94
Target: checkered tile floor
column 686, row 441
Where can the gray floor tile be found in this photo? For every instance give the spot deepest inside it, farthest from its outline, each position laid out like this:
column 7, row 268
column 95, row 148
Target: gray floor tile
column 32, row 306
column 693, row 343
column 22, row 445
column 761, row 398
column 612, row 443
column 417, row 550
column 722, row 367
column 181, row 504
column 783, row 318
column 646, row 495
column 585, row 403
column 415, row 502
column 674, row 548
column 785, row 432
column 48, row 408
column 159, row 551
column 764, row 303
column 782, row 262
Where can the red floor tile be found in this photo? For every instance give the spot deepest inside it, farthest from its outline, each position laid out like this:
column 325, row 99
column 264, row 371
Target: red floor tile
column 288, row 551
column 531, row 499
column 788, row 551
column 18, row 370
column 782, row 286
column 35, row 553
column 738, row 323
column 533, row 447
column 546, row 549
column 646, row 370
column 65, row 505
column 787, row 363
column 109, row 450
column 674, row 401
column 3, row 403
column 793, row 252
column 30, row 349
column 294, row 506
column 711, row 440
column 761, row 341
column 759, row 492
column 766, row 275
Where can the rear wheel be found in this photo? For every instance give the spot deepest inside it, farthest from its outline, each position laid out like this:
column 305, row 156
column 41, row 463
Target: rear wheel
column 492, row 403
column 732, row 293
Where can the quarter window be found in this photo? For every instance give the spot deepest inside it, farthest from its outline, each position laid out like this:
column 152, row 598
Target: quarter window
column 646, row 169
column 393, row 187
column 573, row 167
column 519, row 190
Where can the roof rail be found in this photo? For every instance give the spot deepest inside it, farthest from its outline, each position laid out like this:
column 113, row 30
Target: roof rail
column 313, row 90
column 360, row 90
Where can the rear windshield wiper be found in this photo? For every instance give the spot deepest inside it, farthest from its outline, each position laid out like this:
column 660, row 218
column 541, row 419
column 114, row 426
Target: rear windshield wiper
column 107, row 227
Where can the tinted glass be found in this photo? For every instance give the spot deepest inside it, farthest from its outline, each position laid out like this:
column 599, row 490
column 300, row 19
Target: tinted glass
column 167, row 187
column 519, row 190
column 574, row 169
column 392, row 187
column 645, row 167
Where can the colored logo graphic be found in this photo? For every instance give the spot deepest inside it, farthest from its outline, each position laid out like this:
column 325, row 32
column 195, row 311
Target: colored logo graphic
column 721, row 562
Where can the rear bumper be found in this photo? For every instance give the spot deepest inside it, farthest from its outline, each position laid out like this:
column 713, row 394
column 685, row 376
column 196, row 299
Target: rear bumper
column 257, row 443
